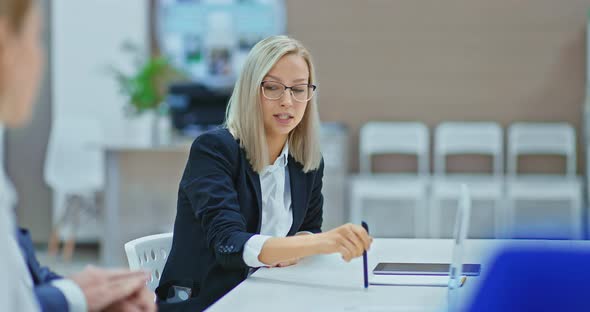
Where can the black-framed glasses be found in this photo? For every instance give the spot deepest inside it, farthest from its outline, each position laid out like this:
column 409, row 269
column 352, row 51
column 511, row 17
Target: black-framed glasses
column 273, row 90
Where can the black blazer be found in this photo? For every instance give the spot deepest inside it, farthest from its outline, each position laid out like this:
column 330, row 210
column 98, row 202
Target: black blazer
column 219, row 209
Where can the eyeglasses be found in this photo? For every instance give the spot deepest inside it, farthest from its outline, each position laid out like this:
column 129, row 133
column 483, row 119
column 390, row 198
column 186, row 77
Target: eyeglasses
column 273, row 90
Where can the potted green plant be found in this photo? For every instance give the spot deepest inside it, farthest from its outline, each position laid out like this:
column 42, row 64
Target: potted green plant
column 145, row 87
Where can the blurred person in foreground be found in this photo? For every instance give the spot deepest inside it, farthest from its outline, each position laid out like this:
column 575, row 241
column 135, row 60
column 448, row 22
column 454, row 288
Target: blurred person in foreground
column 25, row 285
column 542, row 278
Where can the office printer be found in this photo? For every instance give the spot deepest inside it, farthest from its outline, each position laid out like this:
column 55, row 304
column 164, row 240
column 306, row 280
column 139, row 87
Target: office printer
column 195, row 108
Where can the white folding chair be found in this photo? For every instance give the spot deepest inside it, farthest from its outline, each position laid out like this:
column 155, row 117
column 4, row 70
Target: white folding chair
column 467, row 138
column 408, row 138
column 149, row 253
column 74, row 169
column 544, row 139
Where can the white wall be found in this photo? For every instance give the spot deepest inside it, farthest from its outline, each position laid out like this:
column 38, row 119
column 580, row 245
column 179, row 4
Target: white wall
column 87, row 38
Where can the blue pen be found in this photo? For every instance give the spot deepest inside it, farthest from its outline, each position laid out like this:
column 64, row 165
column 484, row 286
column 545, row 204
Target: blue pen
column 365, row 270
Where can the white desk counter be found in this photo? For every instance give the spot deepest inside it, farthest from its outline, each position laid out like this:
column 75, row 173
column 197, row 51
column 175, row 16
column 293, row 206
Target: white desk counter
column 327, row 283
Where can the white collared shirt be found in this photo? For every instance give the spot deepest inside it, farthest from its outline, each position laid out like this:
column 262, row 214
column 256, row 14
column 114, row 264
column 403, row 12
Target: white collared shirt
column 277, row 213
column 16, row 285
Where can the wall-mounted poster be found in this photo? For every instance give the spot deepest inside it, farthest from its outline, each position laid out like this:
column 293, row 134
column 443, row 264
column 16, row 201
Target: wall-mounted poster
column 210, row 39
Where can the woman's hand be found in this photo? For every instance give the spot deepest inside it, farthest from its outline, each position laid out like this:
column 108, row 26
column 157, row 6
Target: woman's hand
column 350, row 240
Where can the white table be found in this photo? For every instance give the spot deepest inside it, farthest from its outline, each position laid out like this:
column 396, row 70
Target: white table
column 327, row 283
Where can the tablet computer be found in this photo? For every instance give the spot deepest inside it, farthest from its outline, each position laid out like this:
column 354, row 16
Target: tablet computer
column 388, row 268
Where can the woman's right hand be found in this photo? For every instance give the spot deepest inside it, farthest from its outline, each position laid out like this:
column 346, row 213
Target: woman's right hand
column 350, row 240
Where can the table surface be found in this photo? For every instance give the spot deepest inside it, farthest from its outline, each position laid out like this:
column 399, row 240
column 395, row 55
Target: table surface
column 327, row 283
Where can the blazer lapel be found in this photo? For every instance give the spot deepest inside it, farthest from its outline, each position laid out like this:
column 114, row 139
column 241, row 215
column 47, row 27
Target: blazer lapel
column 298, row 193
column 255, row 181
column 28, row 252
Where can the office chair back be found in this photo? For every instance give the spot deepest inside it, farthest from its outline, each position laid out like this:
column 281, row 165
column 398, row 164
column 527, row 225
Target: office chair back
column 542, row 139
column 410, row 138
column 75, row 160
column 468, row 138
column 149, row 253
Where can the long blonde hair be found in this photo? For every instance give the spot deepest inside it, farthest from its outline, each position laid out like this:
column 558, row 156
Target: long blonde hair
column 244, row 114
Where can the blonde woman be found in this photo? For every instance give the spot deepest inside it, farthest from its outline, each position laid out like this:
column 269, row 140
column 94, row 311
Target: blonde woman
column 251, row 193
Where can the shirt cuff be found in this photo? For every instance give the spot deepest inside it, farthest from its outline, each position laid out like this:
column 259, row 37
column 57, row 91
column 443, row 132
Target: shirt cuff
column 304, row 232
column 74, row 295
column 252, row 250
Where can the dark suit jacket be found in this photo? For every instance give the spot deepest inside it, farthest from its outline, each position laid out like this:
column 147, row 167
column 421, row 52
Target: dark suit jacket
column 50, row 298
column 535, row 279
column 219, row 209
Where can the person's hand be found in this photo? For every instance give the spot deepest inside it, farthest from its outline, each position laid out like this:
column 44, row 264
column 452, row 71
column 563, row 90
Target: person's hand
column 141, row 301
column 102, row 287
column 350, row 240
